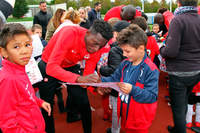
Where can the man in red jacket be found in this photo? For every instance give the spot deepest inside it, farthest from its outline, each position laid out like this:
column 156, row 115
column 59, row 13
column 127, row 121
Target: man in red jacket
column 122, row 12
column 59, row 63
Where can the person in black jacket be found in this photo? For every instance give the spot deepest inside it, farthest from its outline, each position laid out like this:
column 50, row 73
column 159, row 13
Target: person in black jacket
column 182, row 56
column 42, row 17
column 115, row 57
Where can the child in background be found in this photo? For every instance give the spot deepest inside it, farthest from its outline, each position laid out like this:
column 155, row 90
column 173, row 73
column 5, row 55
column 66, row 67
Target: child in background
column 115, row 57
column 155, row 30
column 37, row 29
column 194, row 98
column 138, row 82
column 20, row 113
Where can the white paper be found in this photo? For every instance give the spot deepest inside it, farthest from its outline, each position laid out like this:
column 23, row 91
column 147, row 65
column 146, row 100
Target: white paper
column 37, row 45
column 112, row 85
column 33, row 71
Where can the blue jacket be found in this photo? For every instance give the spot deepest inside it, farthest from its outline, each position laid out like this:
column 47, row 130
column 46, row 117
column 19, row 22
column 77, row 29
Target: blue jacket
column 137, row 110
column 146, row 73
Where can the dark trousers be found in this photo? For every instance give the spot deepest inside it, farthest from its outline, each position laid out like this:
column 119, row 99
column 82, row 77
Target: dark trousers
column 77, row 98
column 78, row 102
column 179, row 89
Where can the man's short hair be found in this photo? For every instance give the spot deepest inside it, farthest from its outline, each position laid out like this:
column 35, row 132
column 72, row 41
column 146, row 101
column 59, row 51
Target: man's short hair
column 188, row 2
column 128, row 12
column 42, row 2
column 133, row 35
column 96, row 4
column 102, row 27
column 9, row 31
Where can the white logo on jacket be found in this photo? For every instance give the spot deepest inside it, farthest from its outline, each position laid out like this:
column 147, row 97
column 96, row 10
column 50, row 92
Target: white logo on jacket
column 29, row 93
column 124, row 98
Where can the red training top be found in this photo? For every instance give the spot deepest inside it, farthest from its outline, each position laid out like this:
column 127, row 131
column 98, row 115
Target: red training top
column 115, row 13
column 65, row 49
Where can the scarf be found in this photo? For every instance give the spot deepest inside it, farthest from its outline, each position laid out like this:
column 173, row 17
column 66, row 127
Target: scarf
column 184, row 9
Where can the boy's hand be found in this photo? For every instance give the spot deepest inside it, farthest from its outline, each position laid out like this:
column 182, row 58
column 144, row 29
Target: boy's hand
column 125, row 87
column 47, row 107
column 100, row 91
column 103, row 91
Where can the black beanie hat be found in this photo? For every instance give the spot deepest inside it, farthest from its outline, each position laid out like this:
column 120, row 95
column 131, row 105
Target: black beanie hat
column 120, row 25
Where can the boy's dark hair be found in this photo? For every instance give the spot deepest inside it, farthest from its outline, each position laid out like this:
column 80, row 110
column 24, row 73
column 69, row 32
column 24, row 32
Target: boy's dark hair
column 141, row 22
column 9, row 31
column 42, row 2
column 188, row 2
column 120, row 25
column 133, row 36
column 36, row 26
column 96, row 4
column 102, row 27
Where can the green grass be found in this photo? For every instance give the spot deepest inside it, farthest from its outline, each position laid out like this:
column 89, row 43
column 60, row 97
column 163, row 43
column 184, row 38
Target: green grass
column 19, row 19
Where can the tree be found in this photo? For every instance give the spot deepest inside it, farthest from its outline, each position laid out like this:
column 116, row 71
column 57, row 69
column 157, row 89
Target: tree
column 33, row 2
column 155, row 5
column 21, row 8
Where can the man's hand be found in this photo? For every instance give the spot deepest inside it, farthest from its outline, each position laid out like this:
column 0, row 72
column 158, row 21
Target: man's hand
column 125, row 87
column 47, row 107
column 92, row 78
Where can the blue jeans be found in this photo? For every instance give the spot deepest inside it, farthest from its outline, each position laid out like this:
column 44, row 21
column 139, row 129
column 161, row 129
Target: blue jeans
column 179, row 89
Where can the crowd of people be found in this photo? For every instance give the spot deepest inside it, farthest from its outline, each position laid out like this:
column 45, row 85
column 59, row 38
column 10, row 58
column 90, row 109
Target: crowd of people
column 79, row 46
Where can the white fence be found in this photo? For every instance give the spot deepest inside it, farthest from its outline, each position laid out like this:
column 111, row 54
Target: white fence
column 33, row 9
column 150, row 17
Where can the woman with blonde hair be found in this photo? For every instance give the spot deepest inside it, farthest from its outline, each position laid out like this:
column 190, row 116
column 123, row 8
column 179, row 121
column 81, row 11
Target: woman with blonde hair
column 56, row 20
column 72, row 18
column 83, row 15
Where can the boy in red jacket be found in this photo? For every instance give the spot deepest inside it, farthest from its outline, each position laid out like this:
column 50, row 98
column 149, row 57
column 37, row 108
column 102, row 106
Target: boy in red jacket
column 19, row 107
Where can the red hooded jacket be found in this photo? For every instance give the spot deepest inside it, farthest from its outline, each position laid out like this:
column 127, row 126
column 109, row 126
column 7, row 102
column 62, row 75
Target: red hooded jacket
column 19, row 107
